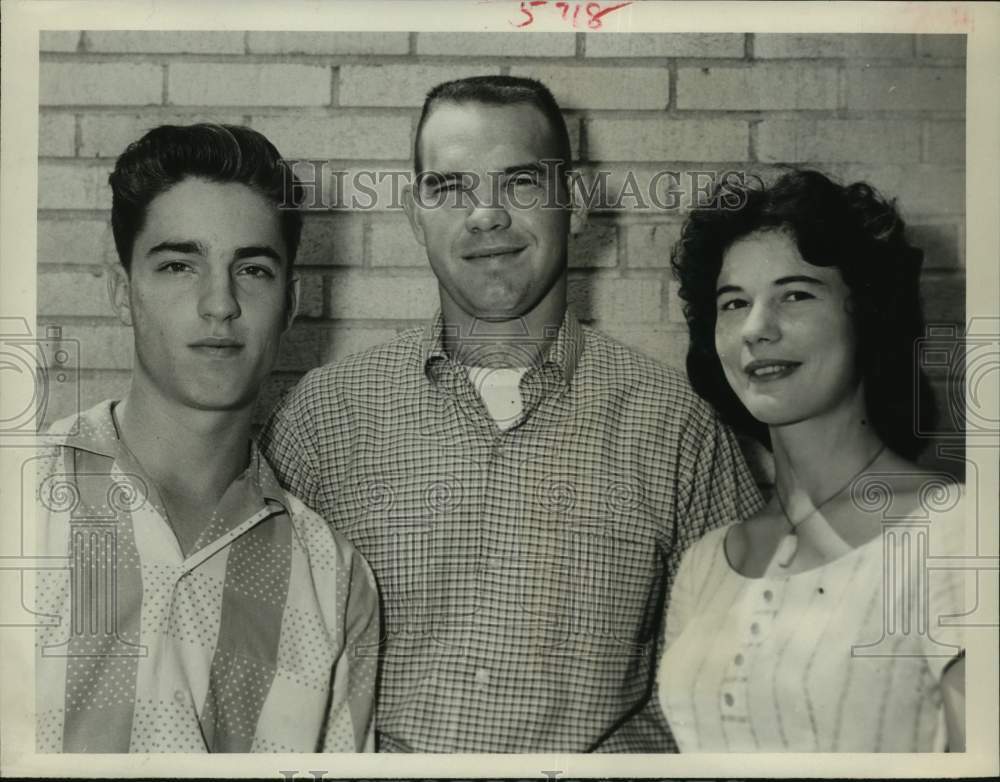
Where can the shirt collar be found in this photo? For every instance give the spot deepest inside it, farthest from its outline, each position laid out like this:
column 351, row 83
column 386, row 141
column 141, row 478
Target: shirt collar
column 95, row 432
column 563, row 354
column 266, row 479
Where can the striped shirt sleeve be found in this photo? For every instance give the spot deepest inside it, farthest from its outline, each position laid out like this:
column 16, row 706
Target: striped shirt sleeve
column 351, row 710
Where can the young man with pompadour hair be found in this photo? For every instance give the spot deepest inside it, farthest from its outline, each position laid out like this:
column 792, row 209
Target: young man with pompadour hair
column 206, row 609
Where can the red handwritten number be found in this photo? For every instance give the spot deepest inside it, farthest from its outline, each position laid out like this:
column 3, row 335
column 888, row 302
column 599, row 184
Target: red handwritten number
column 524, row 10
column 595, row 22
column 593, row 12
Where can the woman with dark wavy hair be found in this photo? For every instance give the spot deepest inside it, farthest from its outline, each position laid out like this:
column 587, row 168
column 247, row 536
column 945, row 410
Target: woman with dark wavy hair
column 789, row 631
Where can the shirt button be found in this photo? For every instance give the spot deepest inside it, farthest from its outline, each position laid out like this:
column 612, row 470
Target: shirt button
column 728, row 699
column 768, row 594
column 738, row 659
column 482, row 676
column 755, row 628
column 179, row 696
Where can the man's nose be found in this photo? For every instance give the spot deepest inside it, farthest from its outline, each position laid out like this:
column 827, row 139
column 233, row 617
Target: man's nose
column 487, row 218
column 486, row 208
column 218, row 297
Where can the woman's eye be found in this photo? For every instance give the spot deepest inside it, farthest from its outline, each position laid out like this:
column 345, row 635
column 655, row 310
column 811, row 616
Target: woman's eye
column 798, row 296
column 731, row 304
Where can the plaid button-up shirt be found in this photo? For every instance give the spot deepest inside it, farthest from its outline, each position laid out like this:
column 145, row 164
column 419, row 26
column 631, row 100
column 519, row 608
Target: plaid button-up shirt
column 263, row 639
column 523, row 572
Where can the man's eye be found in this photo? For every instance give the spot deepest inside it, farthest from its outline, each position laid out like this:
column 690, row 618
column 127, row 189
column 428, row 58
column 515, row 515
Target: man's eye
column 175, row 267
column 525, row 179
column 258, row 272
column 449, row 184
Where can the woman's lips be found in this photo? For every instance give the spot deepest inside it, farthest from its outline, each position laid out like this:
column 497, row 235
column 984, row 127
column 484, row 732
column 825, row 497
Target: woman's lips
column 763, row 371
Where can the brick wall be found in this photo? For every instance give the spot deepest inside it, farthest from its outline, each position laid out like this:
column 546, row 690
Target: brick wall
column 885, row 108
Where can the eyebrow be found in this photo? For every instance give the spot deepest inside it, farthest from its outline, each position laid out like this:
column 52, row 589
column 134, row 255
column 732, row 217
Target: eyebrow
column 197, row 248
column 259, row 251
column 519, row 168
column 780, row 281
column 799, row 278
column 184, row 248
column 438, row 178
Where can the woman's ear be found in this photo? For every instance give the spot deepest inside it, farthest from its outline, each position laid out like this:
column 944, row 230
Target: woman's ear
column 119, row 292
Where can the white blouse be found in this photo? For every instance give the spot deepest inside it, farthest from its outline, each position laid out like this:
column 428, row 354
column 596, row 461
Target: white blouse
column 846, row 657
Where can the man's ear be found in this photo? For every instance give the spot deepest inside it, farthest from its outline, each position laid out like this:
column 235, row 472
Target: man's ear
column 578, row 204
column 292, row 297
column 119, row 292
column 413, row 214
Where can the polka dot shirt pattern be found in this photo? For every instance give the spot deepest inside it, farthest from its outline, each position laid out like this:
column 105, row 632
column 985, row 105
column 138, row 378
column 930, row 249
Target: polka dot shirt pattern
column 248, row 644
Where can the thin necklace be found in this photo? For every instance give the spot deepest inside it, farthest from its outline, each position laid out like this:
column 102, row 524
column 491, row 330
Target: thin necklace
column 789, row 545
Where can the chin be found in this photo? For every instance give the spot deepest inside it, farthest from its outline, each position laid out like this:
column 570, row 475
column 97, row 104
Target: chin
column 498, row 316
column 498, row 311
column 772, row 413
column 223, row 401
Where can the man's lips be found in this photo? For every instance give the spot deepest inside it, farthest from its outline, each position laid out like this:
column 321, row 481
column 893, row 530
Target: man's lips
column 492, row 252
column 770, row 369
column 217, row 346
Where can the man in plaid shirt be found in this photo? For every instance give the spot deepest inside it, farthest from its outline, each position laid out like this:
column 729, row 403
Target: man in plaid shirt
column 522, row 485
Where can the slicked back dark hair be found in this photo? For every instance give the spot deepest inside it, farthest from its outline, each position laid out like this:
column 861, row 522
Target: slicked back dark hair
column 497, row 91
column 851, row 228
column 169, row 154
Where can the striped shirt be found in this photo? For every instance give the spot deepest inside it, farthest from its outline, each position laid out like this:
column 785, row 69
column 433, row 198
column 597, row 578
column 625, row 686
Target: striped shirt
column 845, row 657
column 261, row 640
column 522, row 569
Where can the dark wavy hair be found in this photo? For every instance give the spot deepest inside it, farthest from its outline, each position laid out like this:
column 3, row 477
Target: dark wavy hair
column 168, row 154
column 497, row 91
column 851, row 228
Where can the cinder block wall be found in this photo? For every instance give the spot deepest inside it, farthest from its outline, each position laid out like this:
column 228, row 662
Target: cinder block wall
column 888, row 109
